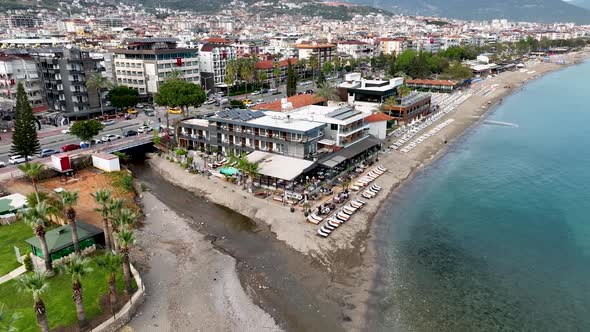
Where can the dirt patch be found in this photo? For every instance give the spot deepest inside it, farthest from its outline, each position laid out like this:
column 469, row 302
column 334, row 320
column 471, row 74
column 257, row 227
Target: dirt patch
column 86, row 182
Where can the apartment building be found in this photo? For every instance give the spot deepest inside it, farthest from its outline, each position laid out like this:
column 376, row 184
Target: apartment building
column 64, row 72
column 240, row 130
column 21, row 21
column 145, row 63
column 322, row 51
column 392, row 45
column 16, row 67
column 355, row 49
column 213, row 60
column 268, row 67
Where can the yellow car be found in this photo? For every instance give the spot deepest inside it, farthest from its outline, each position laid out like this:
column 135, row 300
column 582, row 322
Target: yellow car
column 174, row 110
column 131, row 111
column 246, row 101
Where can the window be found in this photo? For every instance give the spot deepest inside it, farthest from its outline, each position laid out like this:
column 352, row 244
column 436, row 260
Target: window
column 333, row 126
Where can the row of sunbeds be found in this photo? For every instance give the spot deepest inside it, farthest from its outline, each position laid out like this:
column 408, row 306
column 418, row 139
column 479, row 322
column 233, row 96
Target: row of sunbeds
column 340, row 217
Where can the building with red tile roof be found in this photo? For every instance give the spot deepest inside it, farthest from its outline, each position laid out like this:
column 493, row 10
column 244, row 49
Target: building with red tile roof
column 377, row 117
column 297, row 101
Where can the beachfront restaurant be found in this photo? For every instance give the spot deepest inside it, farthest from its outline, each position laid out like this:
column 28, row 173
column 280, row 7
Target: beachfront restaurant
column 352, row 154
column 59, row 240
column 278, row 171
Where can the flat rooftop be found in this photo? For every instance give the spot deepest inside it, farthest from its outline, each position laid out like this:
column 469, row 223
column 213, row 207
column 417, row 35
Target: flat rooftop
column 328, row 114
column 272, row 119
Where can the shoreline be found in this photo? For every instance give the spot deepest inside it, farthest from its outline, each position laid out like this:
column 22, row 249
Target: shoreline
column 349, row 255
column 428, row 154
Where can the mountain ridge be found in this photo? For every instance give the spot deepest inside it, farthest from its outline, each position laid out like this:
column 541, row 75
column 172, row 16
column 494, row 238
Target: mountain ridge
column 543, row 11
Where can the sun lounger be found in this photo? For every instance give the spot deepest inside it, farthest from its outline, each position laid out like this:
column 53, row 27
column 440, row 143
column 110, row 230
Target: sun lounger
column 342, row 216
column 374, row 191
column 368, row 196
column 381, row 168
column 313, row 221
column 322, row 233
column 316, row 217
column 333, row 223
column 358, row 200
column 374, row 186
column 328, row 226
column 348, row 210
column 356, row 205
column 355, row 188
column 370, row 193
column 325, row 230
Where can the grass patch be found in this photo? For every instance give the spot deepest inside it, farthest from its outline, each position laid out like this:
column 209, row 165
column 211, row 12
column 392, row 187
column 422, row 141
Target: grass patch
column 122, row 180
column 11, row 236
column 61, row 310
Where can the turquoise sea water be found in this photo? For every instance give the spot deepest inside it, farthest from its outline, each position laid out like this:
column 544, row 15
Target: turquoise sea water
column 496, row 234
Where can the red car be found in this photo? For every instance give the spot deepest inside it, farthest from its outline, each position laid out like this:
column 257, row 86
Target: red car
column 70, row 147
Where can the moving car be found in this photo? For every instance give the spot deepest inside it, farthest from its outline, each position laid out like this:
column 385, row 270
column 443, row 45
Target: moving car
column 70, row 147
column 144, row 129
column 131, row 111
column 108, row 122
column 209, row 102
column 246, row 101
column 2, row 164
column 255, row 93
column 149, row 112
column 87, row 144
column 17, row 159
column 47, row 152
column 130, row 133
column 221, row 102
column 110, row 137
column 174, row 110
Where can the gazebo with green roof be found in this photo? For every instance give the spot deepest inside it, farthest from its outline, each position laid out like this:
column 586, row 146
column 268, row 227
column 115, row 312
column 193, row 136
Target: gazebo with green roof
column 59, row 240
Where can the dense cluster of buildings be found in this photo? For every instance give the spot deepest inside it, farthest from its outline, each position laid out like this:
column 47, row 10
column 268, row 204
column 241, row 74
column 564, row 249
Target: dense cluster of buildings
column 55, row 52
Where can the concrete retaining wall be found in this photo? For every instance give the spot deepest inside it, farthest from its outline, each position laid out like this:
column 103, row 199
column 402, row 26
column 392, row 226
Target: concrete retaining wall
column 124, row 315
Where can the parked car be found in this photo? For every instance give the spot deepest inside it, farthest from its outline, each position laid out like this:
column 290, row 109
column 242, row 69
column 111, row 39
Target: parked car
column 209, row 102
column 47, row 152
column 110, row 137
column 246, row 101
column 130, row 133
column 255, row 93
column 264, row 91
column 222, row 102
column 260, row 101
column 2, row 164
column 309, row 92
column 174, row 110
column 70, row 147
column 144, row 129
column 276, row 92
column 17, row 159
column 108, row 122
column 273, row 90
column 87, row 144
column 149, row 112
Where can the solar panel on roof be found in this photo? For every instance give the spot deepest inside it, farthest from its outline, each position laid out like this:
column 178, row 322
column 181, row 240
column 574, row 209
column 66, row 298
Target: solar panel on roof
column 343, row 113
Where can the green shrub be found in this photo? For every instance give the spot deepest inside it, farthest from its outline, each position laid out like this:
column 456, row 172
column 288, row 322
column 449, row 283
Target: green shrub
column 180, row 152
column 144, row 187
column 28, row 261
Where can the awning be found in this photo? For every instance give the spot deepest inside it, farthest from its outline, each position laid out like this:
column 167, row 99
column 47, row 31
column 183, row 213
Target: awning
column 349, row 152
column 278, row 166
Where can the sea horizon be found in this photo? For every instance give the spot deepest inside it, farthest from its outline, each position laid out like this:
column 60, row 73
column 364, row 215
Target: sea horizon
column 491, row 234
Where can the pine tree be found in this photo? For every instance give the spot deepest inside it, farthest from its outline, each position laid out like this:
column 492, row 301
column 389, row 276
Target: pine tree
column 291, row 81
column 24, row 137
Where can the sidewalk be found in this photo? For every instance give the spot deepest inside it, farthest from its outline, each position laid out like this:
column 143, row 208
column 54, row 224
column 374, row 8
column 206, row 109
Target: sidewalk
column 13, row 274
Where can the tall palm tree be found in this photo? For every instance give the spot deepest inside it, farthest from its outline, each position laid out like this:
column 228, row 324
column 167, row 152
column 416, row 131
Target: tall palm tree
column 126, row 239
column 247, row 71
column 36, row 284
column 388, row 104
column 36, row 217
column 69, row 200
column 403, row 91
column 99, row 83
column 314, row 62
column 327, row 92
column 7, row 323
column 78, row 267
column 32, row 171
column 111, row 263
column 114, row 208
column 103, row 197
column 276, row 73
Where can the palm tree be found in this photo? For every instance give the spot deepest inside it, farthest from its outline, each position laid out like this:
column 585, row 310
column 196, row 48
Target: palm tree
column 262, row 77
column 314, row 63
column 231, row 71
column 276, row 73
column 36, row 217
column 32, row 171
column 403, row 91
column 111, row 263
column 78, row 267
column 103, row 197
column 68, row 201
column 126, row 239
column 124, row 218
column 388, row 104
column 99, row 83
column 7, row 324
column 327, row 92
column 247, row 71
column 36, row 284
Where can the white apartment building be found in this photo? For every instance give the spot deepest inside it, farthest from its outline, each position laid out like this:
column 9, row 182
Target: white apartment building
column 213, row 60
column 15, row 69
column 322, row 51
column 355, row 49
column 145, row 63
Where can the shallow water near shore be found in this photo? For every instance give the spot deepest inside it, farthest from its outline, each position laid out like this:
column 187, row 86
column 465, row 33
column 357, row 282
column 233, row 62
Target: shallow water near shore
column 495, row 234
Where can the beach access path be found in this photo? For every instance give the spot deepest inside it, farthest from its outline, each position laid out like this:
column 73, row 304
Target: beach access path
column 190, row 286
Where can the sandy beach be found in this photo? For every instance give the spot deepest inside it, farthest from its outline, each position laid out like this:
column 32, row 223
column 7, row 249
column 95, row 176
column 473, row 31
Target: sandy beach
column 348, row 252
column 190, row 286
